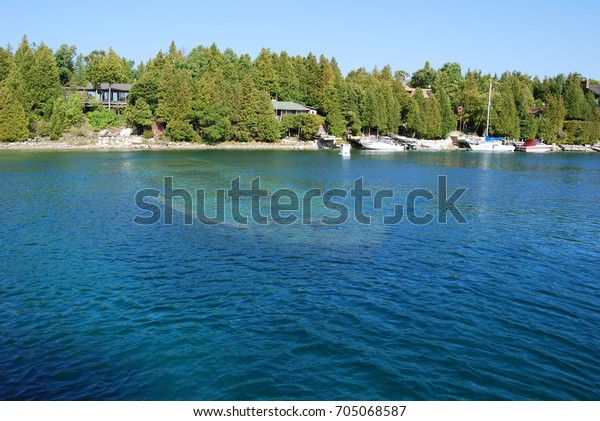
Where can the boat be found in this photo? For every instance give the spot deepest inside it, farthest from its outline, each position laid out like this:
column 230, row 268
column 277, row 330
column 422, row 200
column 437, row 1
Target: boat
column 491, row 144
column 381, row 144
column 345, row 149
column 534, row 145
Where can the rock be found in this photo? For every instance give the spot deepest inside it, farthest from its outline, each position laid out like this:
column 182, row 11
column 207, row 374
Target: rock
column 125, row 132
column 102, row 133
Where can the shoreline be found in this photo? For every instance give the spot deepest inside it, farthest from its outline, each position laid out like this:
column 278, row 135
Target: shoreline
column 126, row 144
column 92, row 145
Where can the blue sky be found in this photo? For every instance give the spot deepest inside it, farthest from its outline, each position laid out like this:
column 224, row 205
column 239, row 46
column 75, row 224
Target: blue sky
column 537, row 37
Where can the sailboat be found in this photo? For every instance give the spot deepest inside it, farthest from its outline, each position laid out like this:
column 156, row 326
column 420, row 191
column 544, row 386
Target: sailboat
column 491, row 144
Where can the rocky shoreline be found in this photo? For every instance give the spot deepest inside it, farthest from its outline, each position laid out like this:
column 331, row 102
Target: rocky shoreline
column 123, row 139
column 129, row 142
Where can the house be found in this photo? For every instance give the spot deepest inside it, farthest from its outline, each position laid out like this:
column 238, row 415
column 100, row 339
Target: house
column 113, row 96
column 536, row 112
column 595, row 89
column 282, row 108
column 411, row 91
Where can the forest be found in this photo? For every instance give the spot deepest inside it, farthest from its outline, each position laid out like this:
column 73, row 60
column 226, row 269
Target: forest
column 212, row 96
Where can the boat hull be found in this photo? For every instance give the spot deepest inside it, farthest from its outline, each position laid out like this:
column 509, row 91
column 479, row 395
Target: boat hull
column 491, row 147
column 376, row 146
column 536, row 150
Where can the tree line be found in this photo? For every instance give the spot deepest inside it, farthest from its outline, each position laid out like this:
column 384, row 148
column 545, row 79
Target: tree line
column 213, row 96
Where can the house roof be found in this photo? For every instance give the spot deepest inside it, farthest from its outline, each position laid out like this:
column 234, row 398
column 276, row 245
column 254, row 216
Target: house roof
column 595, row 89
column 411, row 91
column 126, row 87
column 290, row 106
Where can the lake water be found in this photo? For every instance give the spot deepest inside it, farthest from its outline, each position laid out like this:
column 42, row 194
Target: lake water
column 504, row 306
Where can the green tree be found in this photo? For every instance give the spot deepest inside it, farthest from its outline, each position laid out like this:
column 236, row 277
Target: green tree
column 254, row 117
column 74, row 109
column 58, row 123
column 415, row 116
column 43, row 82
column 174, row 95
column 5, row 63
column 13, row 119
column 289, row 85
column 65, row 62
column 214, row 123
column 574, row 98
column 423, row 78
column 139, row 115
column 448, row 118
column 265, row 73
column 504, row 116
column 432, row 119
column 79, row 71
column 181, row 131
column 553, row 118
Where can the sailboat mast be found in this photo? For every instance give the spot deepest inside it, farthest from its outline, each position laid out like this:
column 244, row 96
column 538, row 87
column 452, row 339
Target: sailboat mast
column 487, row 124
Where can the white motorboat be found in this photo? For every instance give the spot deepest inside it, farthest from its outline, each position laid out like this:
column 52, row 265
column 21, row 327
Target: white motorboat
column 381, row 144
column 535, row 145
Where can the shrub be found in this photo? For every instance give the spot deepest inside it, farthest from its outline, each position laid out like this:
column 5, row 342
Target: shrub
column 104, row 118
column 181, row 131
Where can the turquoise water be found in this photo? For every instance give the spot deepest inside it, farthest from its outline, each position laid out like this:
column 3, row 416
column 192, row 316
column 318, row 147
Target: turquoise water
column 93, row 306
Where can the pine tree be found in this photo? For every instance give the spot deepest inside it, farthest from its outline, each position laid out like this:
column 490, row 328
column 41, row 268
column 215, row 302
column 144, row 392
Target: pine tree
column 415, row 116
column 5, row 63
column 254, row 117
column 289, row 85
column 139, row 115
column 43, row 82
column 58, row 122
column 554, row 113
column 13, row 119
column 446, row 112
column 574, row 98
column 265, row 73
column 505, row 119
column 432, row 119
column 174, row 95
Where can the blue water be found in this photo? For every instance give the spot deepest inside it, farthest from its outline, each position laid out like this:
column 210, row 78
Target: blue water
column 93, row 306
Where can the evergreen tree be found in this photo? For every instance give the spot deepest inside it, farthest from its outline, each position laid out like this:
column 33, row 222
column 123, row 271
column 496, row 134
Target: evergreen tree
column 311, row 81
column 5, row 63
column 554, row 112
column 505, row 119
column 139, row 115
column 432, row 119
column 79, row 71
column 265, row 73
column 174, row 95
column 58, row 119
column 415, row 116
column 574, row 98
column 254, row 117
column 423, row 78
column 474, row 102
column 289, row 85
column 447, row 115
column 13, row 119
column 43, row 82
